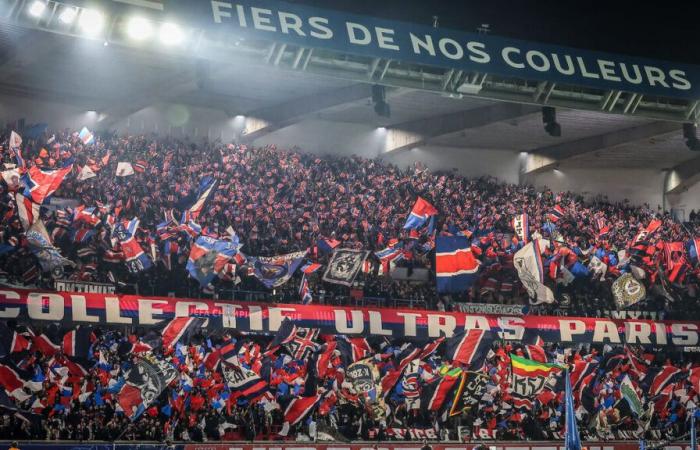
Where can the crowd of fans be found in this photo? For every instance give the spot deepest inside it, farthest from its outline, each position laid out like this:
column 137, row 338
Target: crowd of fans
column 279, row 201
column 71, row 398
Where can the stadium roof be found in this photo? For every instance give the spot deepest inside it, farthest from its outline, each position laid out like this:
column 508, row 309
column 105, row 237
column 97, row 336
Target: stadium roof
column 119, row 80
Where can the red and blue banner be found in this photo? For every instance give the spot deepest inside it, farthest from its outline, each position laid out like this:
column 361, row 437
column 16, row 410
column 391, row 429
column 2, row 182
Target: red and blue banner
column 456, row 267
column 124, row 310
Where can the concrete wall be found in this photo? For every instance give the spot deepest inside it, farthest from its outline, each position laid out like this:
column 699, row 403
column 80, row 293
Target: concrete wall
column 637, row 186
column 503, row 165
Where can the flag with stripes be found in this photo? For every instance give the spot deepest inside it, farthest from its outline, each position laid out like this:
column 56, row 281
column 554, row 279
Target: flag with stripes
column 304, row 291
column 470, row 347
column 528, row 377
column 181, row 328
column 456, row 267
column 299, row 408
column 77, row 342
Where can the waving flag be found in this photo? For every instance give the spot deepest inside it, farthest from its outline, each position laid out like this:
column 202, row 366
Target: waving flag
column 208, row 257
column 528, row 263
column 207, row 186
column 77, row 342
column 305, row 291
column 421, row 212
column 144, row 382
column 86, row 173
column 124, row 169
column 528, row 378
column 243, row 383
column 694, row 249
column 86, row 136
column 455, row 265
column 469, row 347
column 274, row 271
column 11, row 341
column 40, row 184
column 27, row 211
column 181, row 328
column 521, row 226
column 135, row 258
column 555, row 214
column 299, row 408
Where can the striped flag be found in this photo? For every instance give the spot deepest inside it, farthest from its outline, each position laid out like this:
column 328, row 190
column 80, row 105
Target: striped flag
column 528, row 377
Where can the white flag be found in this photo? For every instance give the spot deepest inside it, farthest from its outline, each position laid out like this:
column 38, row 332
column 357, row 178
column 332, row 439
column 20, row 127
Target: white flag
column 15, row 140
column 528, row 263
column 124, row 169
column 11, row 177
column 86, row 173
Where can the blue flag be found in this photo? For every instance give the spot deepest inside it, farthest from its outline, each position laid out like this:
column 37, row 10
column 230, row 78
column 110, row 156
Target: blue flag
column 571, row 438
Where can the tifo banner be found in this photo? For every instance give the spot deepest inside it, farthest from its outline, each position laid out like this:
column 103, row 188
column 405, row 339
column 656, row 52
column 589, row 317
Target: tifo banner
column 123, row 310
column 400, row 41
column 505, row 445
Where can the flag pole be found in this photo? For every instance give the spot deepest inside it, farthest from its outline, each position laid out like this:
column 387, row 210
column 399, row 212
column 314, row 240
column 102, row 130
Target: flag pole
column 572, row 441
column 693, row 437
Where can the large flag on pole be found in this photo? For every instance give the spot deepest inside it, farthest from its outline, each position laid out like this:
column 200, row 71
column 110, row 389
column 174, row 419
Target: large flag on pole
column 455, row 265
column 419, row 215
column 528, row 263
column 39, row 184
column 572, row 440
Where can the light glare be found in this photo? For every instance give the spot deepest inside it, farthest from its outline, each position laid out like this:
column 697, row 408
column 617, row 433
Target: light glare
column 37, row 8
column 91, row 21
column 139, row 28
column 171, row 34
column 68, row 15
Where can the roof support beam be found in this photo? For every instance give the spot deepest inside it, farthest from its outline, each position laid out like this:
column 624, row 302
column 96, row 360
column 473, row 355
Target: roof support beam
column 683, row 176
column 407, row 135
column 290, row 112
column 544, row 158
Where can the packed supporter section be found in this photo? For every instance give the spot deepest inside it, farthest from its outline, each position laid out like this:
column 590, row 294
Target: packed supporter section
column 176, row 197
column 347, row 225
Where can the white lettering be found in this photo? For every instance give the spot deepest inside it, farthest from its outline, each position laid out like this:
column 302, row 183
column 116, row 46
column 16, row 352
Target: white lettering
column 147, row 310
column 512, row 328
column 409, row 323
column 479, row 52
column 426, row 45
column 375, row 324
column 679, row 77
column 568, row 328
column 260, row 21
column 638, row 332
column 218, row 8
column 54, row 303
column 684, row 334
column 385, row 38
column 289, row 21
column 275, row 316
column 506, row 52
column 79, row 309
column 9, row 313
column 357, row 324
column 353, row 28
column 607, row 70
column 542, row 65
column 438, row 323
column 605, row 329
column 320, row 24
column 456, row 51
column 113, row 311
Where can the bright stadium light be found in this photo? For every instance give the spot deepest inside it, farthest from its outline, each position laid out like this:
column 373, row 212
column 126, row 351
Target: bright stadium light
column 91, row 21
column 171, row 34
column 68, row 15
column 139, row 29
column 37, row 8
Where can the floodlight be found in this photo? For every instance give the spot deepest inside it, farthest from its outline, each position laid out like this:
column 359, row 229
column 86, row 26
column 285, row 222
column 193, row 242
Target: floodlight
column 68, row 15
column 91, row 21
column 139, row 28
column 37, row 8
